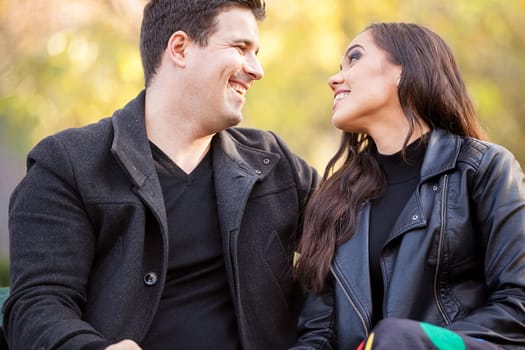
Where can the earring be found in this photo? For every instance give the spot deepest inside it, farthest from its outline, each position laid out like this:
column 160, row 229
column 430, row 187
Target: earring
column 398, row 80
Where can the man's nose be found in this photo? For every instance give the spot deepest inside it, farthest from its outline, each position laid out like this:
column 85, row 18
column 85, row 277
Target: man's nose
column 253, row 67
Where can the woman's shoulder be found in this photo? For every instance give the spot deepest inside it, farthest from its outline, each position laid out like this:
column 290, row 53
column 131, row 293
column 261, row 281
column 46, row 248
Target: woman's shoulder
column 476, row 151
column 485, row 155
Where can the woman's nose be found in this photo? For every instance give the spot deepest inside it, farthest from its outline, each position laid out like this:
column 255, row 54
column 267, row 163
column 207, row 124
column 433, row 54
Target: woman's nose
column 335, row 80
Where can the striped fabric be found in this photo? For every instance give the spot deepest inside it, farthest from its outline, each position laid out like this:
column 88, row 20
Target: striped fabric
column 401, row 334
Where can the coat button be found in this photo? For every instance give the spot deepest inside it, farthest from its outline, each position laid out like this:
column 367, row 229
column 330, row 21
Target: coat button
column 258, row 172
column 434, row 188
column 150, row 278
column 266, row 161
column 414, row 217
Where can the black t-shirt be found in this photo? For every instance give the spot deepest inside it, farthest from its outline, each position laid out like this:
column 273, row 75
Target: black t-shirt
column 402, row 179
column 196, row 309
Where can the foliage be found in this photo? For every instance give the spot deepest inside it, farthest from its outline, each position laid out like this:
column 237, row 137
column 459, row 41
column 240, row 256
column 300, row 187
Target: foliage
column 305, row 41
column 78, row 61
column 4, row 272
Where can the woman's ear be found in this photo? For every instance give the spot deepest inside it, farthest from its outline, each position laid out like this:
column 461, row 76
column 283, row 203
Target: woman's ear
column 398, row 74
column 177, row 46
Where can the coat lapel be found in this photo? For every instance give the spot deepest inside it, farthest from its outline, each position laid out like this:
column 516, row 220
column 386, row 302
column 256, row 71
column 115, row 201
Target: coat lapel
column 352, row 274
column 131, row 148
column 236, row 170
column 411, row 217
column 441, row 155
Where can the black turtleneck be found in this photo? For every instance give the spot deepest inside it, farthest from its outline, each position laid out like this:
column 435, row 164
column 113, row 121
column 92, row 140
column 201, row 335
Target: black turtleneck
column 402, row 177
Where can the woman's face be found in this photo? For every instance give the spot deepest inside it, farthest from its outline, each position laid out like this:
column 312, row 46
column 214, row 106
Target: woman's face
column 365, row 88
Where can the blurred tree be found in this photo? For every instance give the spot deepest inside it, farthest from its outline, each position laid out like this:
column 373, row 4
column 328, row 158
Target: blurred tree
column 73, row 63
column 302, row 43
column 78, row 60
column 63, row 64
column 4, row 272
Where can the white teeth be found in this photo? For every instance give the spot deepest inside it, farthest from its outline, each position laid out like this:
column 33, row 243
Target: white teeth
column 239, row 88
column 340, row 96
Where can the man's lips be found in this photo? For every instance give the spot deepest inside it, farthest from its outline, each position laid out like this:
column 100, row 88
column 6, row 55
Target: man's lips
column 240, row 87
column 340, row 94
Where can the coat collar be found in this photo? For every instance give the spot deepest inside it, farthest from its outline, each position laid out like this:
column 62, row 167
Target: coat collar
column 131, row 146
column 132, row 150
column 245, row 160
column 441, row 155
column 130, row 142
column 236, row 165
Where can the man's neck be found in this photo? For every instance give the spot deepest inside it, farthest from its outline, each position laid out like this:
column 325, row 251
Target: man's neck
column 176, row 133
column 185, row 152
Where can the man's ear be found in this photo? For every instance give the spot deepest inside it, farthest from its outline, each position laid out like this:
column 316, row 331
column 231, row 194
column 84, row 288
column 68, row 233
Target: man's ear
column 177, row 46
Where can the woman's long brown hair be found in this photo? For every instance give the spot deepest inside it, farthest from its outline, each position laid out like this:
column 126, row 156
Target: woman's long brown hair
column 431, row 89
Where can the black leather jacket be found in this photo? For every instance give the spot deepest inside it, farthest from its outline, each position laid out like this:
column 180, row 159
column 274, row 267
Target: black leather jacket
column 455, row 256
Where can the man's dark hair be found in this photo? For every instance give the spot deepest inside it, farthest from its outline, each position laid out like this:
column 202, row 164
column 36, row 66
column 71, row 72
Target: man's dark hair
column 197, row 18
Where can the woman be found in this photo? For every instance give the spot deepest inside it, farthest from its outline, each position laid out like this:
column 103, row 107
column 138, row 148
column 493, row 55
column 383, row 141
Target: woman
column 417, row 239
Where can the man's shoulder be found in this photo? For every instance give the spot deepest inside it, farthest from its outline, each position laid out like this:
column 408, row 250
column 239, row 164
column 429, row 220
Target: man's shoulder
column 80, row 140
column 92, row 131
column 103, row 130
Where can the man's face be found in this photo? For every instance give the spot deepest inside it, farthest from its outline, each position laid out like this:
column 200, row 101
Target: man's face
column 221, row 72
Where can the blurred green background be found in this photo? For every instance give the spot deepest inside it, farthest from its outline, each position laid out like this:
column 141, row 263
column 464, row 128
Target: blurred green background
column 68, row 63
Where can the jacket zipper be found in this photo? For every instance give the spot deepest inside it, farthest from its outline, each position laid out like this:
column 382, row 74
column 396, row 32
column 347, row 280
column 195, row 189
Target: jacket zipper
column 354, row 306
column 440, row 247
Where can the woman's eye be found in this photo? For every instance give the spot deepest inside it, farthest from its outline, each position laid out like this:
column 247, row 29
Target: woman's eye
column 354, row 56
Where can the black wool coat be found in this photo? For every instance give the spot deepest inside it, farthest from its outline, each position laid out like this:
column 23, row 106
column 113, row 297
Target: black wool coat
column 88, row 235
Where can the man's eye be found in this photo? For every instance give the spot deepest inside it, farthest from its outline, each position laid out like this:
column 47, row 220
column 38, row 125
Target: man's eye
column 241, row 48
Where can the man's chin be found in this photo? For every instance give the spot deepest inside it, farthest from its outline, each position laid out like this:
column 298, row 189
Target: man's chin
column 234, row 119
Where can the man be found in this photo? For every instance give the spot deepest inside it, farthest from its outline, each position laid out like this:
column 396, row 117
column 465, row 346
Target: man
column 162, row 225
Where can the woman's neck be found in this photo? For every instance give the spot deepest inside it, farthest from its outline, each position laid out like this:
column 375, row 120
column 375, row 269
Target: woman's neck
column 390, row 140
